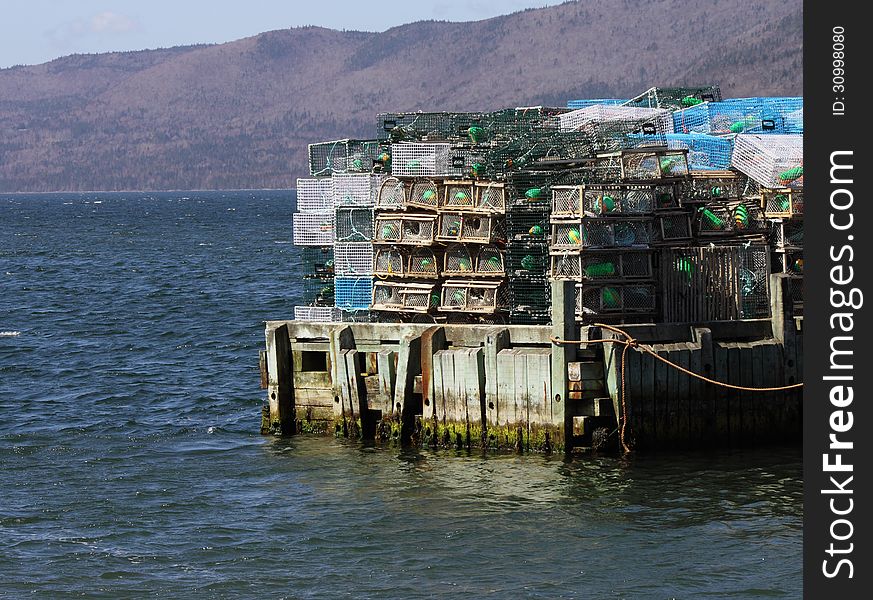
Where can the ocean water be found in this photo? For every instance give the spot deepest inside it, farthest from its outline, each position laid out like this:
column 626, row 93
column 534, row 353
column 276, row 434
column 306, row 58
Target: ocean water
column 131, row 465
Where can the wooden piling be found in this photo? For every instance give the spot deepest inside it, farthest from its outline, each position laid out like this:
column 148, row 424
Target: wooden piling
column 280, row 384
column 564, row 328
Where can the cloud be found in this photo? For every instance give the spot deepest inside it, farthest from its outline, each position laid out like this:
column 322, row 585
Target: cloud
column 111, row 22
column 107, row 24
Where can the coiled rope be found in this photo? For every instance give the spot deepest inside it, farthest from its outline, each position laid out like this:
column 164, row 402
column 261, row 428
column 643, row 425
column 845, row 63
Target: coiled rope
column 630, row 342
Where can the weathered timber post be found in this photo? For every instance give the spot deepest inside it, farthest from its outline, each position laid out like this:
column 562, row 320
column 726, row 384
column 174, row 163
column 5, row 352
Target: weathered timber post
column 433, row 339
column 341, row 341
column 408, row 367
column 496, row 339
column 782, row 320
column 280, row 381
column 564, row 328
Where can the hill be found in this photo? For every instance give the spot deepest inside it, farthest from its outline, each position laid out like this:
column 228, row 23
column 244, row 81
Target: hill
column 239, row 114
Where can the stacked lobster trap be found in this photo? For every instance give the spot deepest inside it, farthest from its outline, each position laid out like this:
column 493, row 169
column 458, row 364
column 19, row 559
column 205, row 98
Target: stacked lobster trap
column 673, row 205
column 438, row 240
column 603, row 234
column 314, row 231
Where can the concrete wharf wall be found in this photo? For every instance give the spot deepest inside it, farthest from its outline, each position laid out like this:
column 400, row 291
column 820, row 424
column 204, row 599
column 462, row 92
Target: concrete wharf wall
column 511, row 387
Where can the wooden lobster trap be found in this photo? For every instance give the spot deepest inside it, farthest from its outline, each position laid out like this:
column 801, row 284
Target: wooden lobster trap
column 469, row 228
column 481, row 297
column 400, row 262
column 782, row 203
column 401, row 296
column 405, row 228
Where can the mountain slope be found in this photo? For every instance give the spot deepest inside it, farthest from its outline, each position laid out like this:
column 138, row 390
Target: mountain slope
column 240, row 114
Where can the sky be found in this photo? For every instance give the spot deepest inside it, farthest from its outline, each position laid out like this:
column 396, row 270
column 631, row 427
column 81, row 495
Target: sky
column 37, row 31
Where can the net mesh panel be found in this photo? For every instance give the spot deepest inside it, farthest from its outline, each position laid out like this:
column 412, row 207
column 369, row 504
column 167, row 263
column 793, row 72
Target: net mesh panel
column 354, row 224
column 392, row 194
column 529, row 295
column 654, row 165
column 423, row 263
column 489, row 262
column 419, row 231
column 355, row 258
column 388, row 228
column 527, row 261
column 771, row 160
column 314, row 194
column 356, row 189
column 706, row 187
column 458, row 195
column 667, row 197
column 482, row 299
column 479, row 229
column 424, row 194
column 353, row 293
column 356, row 316
column 789, row 262
column 672, row 227
column 754, row 279
column 584, row 102
column 788, row 234
column 453, row 298
column 602, row 266
column 318, row 290
column 458, row 261
column 342, row 156
column 567, row 200
column 796, row 284
column 782, row 203
column 641, row 166
column 617, row 299
column 632, row 233
column 528, row 224
column 417, row 299
column 317, row 260
column 575, row 235
column 740, row 115
column 432, row 125
column 386, row 296
column 490, row 197
column 317, row 314
column 313, row 229
column 390, row 262
column 450, row 226
column 630, row 119
column 705, row 152
column 675, row 98
column 421, row 159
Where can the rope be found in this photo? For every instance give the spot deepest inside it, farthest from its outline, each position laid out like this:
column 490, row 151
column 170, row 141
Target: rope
column 630, row 342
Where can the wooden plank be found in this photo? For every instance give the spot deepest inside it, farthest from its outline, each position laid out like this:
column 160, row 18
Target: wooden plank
column 496, row 340
column 662, row 401
column 315, row 397
column 698, row 413
column 474, row 385
column 647, row 427
column 387, row 378
column 720, row 396
column 436, row 409
column 673, row 380
column 312, row 380
column 736, row 407
column 683, row 396
column 753, row 402
column 504, row 411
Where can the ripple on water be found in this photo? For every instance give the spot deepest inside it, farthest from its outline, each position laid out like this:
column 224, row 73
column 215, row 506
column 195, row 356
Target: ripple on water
column 131, row 466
